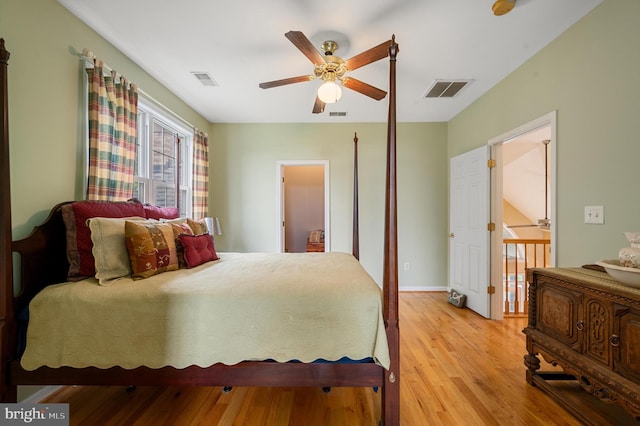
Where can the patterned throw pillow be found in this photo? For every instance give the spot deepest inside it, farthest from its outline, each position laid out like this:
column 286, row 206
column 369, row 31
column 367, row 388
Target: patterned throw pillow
column 151, row 247
column 180, row 229
column 198, row 249
column 199, row 227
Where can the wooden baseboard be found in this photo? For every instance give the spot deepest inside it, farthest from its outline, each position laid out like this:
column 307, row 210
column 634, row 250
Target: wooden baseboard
column 429, row 289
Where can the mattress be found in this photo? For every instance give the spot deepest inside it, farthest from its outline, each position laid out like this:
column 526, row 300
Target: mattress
column 245, row 306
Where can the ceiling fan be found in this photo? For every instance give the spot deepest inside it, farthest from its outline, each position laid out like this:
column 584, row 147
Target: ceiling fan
column 543, row 224
column 332, row 70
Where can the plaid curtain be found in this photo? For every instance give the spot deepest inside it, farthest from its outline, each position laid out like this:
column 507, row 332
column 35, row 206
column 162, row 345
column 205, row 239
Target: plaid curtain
column 113, row 111
column 200, row 174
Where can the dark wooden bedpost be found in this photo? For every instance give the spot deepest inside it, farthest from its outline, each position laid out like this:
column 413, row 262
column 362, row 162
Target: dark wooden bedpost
column 356, row 227
column 391, row 396
column 7, row 329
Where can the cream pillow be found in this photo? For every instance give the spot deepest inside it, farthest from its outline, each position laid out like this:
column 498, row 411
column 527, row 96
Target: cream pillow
column 177, row 221
column 110, row 248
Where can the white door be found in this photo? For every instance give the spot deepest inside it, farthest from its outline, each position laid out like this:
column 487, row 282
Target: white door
column 469, row 234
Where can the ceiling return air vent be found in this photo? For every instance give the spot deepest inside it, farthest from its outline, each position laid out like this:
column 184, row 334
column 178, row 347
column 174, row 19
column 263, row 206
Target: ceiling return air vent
column 204, row 78
column 445, row 88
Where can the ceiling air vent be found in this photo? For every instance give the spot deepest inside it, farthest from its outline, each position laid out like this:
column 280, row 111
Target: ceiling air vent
column 338, row 114
column 445, row 88
column 204, row 78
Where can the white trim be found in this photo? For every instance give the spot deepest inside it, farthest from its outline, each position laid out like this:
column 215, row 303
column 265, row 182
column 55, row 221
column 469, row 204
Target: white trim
column 165, row 115
column 546, row 120
column 280, row 199
column 85, row 132
column 495, row 143
column 424, row 289
column 40, row 394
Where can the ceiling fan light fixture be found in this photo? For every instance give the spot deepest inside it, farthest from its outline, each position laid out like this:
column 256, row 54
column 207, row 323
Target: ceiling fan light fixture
column 329, row 92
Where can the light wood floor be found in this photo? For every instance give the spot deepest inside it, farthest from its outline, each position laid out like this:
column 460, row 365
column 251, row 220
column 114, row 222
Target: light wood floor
column 456, row 369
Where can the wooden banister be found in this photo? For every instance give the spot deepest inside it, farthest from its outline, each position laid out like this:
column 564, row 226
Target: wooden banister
column 516, row 299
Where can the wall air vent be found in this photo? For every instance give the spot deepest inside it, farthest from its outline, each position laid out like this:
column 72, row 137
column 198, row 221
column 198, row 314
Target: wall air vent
column 204, row 78
column 445, row 88
column 338, row 114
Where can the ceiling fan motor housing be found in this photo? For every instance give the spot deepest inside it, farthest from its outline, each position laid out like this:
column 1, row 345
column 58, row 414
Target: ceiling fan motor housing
column 328, row 47
column 502, row 7
column 334, row 69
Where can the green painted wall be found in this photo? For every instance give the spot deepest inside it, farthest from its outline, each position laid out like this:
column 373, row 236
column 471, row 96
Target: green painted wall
column 590, row 75
column 244, row 189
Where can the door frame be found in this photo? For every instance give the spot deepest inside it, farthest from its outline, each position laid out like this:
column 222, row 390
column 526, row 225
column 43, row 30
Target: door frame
column 281, row 164
column 495, row 254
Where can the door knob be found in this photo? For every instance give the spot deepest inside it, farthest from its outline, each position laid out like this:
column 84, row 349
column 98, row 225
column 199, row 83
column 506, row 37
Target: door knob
column 451, row 235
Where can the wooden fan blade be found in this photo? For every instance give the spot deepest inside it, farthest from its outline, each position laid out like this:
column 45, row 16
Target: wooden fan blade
column 305, row 46
column 318, row 106
column 369, row 56
column 364, row 88
column 292, row 80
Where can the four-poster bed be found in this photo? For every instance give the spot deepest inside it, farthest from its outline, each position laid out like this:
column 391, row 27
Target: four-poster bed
column 43, row 262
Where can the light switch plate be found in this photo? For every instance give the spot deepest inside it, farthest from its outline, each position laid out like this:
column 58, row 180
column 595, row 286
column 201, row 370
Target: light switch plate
column 594, row 215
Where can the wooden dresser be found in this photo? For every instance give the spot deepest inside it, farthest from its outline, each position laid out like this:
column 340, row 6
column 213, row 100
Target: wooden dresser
column 585, row 322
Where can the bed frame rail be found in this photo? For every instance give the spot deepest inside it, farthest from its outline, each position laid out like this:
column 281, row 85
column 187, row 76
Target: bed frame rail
column 248, row 373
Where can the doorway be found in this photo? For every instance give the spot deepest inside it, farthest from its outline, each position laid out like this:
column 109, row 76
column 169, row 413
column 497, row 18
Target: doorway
column 303, row 205
column 522, row 206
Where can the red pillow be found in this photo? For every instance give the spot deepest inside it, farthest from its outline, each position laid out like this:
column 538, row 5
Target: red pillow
column 157, row 213
column 198, row 249
column 78, row 234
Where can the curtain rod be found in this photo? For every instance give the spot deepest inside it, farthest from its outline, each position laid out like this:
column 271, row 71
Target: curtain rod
column 89, row 56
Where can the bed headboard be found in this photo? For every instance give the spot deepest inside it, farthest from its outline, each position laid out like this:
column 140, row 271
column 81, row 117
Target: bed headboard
column 42, row 257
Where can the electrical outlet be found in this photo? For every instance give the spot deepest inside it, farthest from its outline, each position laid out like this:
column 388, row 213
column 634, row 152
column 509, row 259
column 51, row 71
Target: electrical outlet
column 407, row 266
column 594, row 215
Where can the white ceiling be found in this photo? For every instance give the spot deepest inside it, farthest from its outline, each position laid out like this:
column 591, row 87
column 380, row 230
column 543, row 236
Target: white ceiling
column 241, row 44
column 524, row 181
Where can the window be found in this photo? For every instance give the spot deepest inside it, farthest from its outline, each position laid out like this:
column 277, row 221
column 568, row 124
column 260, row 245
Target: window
column 164, row 147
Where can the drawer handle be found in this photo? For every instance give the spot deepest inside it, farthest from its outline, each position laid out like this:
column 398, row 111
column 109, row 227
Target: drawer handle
column 580, row 325
column 614, row 340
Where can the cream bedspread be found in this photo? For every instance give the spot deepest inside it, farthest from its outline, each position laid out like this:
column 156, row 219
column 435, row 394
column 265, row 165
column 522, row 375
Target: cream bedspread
column 245, row 306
